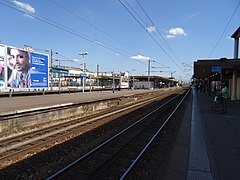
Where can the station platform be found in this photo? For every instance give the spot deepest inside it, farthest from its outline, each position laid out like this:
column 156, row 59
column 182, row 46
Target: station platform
column 208, row 143
column 13, row 105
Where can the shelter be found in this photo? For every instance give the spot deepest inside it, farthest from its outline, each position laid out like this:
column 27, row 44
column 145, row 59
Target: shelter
column 141, row 82
column 222, row 70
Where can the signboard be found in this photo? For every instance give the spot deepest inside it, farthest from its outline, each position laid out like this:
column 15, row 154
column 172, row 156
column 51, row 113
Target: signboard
column 38, row 70
column 83, row 75
column 61, row 71
column 21, row 69
column 216, row 69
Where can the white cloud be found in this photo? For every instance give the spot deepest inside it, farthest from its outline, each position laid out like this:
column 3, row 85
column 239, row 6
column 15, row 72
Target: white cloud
column 25, row 6
column 151, row 29
column 173, row 32
column 170, row 36
column 140, row 57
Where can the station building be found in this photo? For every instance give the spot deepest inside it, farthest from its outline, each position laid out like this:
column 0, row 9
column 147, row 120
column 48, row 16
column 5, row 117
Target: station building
column 212, row 73
column 152, row 82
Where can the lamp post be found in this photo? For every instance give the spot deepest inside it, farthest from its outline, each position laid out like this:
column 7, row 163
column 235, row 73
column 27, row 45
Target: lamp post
column 59, row 78
column 51, row 64
column 83, row 54
column 149, row 60
column 132, row 71
column 113, row 83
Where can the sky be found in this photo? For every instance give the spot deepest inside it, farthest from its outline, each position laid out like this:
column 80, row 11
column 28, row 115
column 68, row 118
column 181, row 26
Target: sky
column 124, row 35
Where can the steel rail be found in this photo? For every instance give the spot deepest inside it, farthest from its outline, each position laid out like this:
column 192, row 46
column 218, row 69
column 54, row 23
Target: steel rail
column 63, row 170
column 58, row 131
column 152, row 139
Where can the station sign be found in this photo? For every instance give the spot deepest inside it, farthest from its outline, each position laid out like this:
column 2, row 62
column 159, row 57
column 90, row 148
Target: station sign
column 216, row 69
column 61, row 71
column 83, row 75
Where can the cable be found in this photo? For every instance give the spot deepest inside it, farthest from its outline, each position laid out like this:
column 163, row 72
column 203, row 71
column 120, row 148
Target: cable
column 148, row 32
column 71, row 31
column 224, row 30
column 93, row 26
column 164, row 40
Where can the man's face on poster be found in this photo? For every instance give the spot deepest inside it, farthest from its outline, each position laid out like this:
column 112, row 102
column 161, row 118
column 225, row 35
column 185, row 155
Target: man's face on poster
column 19, row 60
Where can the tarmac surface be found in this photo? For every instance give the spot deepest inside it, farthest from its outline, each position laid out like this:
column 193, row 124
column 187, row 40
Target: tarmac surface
column 207, row 145
column 15, row 104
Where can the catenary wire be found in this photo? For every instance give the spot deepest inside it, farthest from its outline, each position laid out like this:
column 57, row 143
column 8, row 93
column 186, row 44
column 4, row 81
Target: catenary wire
column 219, row 39
column 149, row 33
column 92, row 25
column 162, row 37
column 73, row 32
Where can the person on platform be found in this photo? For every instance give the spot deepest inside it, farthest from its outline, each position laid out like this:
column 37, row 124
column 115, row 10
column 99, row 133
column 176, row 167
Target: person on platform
column 225, row 97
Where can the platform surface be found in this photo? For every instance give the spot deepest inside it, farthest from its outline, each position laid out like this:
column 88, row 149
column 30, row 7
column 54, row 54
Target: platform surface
column 207, row 145
column 208, row 142
column 13, row 104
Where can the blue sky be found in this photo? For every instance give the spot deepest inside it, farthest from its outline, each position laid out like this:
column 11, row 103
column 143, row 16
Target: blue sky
column 173, row 34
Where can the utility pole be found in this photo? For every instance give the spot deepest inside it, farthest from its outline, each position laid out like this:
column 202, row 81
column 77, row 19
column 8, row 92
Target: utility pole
column 149, row 73
column 51, row 62
column 59, row 78
column 97, row 75
column 113, row 84
column 83, row 54
column 132, row 71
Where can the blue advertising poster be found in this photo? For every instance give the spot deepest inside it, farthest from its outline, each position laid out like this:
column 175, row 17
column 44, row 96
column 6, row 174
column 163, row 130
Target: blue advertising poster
column 39, row 70
column 26, row 69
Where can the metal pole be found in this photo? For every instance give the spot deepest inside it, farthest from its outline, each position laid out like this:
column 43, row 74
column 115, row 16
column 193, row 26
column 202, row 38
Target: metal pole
column 149, row 73
column 51, row 61
column 133, row 82
column 133, row 70
column 84, row 74
column 59, row 80
column 97, row 75
column 113, row 84
column 83, row 53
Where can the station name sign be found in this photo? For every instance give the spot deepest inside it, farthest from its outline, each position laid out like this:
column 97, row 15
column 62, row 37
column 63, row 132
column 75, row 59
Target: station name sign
column 216, row 69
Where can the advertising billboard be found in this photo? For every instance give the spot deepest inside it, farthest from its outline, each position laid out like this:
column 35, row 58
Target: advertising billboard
column 24, row 69
column 39, row 70
column 2, row 67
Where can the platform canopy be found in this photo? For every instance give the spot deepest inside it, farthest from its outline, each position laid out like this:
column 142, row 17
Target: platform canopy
column 236, row 34
column 210, row 68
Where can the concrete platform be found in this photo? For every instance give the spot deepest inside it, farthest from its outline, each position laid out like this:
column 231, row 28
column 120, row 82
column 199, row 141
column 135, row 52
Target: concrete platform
column 10, row 105
column 208, row 143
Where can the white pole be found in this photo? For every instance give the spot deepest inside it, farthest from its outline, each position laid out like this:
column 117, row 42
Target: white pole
column 83, row 75
column 83, row 54
column 149, row 73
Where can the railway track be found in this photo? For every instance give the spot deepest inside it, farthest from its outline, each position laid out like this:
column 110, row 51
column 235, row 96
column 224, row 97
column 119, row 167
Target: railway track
column 16, row 148
column 125, row 154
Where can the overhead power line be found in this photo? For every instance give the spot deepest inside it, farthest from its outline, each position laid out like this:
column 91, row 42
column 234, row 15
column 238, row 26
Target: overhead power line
column 136, row 19
column 219, row 39
column 69, row 30
column 162, row 37
column 92, row 25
